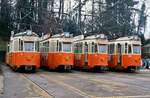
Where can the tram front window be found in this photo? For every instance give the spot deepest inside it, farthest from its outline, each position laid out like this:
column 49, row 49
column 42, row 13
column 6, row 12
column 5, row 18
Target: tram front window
column 28, row 46
column 67, row 47
column 136, row 49
column 102, row 48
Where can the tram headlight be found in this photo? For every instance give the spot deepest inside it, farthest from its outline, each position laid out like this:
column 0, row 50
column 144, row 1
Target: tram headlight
column 67, row 58
column 21, row 54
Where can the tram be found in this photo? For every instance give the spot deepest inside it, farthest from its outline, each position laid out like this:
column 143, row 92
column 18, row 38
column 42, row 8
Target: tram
column 57, row 52
column 23, row 51
column 91, row 52
column 125, row 53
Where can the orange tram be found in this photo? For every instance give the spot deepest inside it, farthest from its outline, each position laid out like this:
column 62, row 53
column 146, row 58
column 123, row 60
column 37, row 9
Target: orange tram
column 91, row 52
column 57, row 52
column 125, row 53
column 23, row 51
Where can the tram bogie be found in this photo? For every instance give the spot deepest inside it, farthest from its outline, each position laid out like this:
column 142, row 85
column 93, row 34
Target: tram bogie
column 22, row 51
column 125, row 53
column 91, row 52
column 56, row 52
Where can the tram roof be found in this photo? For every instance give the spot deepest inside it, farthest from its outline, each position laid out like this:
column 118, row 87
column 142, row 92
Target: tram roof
column 93, row 37
column 63, row 35
column 129, row 38
column 56, row 36
column 26, row 33
column 136, row 38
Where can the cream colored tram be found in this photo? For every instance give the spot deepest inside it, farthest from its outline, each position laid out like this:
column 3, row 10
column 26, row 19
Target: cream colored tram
column 23, row 51
column 125, row 53
column 57, row 51
column 91, row 52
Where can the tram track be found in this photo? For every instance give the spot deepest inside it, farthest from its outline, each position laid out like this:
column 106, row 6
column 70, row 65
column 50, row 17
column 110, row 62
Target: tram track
column 42, row 92
column 115, row 82
column 138, row 76
column 131, row 75
column 86, row 95
column 69, row 87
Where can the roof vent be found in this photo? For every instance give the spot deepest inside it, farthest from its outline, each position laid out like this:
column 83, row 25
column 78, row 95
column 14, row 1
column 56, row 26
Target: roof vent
column 29, row 32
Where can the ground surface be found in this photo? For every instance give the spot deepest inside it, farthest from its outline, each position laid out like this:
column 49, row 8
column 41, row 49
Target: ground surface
column 1, row 84
column 77, row 84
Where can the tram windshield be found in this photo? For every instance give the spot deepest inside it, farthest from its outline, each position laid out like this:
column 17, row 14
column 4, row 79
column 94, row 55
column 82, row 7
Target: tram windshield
column 28, row 46
column 67, row 46
column 102, row 48
column 136, row 49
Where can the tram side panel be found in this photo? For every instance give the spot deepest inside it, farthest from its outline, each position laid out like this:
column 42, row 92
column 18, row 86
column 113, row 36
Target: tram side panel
column 24, row 59
column 126, row 61
column 96, row 60
column 93, row 60
column 56, row 60
column 131, row 61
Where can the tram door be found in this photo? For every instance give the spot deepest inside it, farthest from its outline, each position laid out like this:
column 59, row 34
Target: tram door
column 119, row 48
column 86, row 53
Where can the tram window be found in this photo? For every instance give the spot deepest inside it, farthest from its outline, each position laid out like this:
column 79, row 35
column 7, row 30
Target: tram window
column 20, row 45
column 46, row 46
column 28, row 46
column 102, row 48
column 76, row 48
column 37, row 46
column 93, row 47
column 136, row 49
column 50, row 47
column 60, row 46
column 53, row 46
column 80, row 45
column 16, row 45
column 96, row 48
column 67, row 47
column 86, row 47
column 57, row 45
column 129, row 49
column 111, row 48
column 126, row 47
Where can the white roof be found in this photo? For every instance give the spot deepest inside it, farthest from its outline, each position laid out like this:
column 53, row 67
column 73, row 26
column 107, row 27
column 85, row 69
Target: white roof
column 82, row 37
column 26, row 33
column 136, row 38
